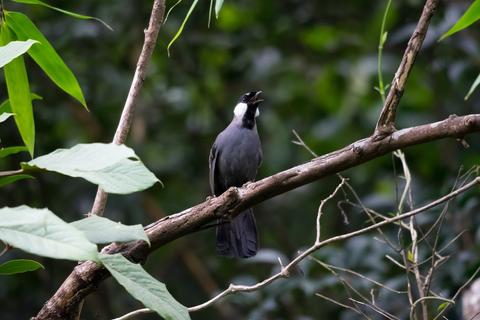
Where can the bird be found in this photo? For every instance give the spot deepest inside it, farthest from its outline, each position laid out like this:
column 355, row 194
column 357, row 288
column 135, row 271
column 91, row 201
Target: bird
column 234, row 160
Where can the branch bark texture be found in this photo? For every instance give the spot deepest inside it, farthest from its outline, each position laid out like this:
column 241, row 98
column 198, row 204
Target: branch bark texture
column 87, row 276
column 151, row 34
column 386, row 120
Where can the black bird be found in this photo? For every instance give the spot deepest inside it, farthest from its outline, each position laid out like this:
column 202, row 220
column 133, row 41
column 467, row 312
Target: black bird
column 235, row 157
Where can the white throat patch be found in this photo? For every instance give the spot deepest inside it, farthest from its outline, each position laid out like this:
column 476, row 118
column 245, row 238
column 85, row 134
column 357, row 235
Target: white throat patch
column 241, row 108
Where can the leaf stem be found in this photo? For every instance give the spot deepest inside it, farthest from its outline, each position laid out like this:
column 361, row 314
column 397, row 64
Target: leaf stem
column 10, row 173
column 381, row 42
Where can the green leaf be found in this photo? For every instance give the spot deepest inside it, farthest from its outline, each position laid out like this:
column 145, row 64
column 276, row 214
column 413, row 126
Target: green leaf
column 143, row 287
column 410, row 256
column 102, row 230
column 218, row 7
column 11, row 179
column 19, row 266
column 473, row 87
column 72, row 14
column 443, row 306
column 384, row 37
column 41, row 232
column 469, row 17
column 14, row 49
column 19, row 93
column 182, row 26
column 170, row 10
column 4, row 152
column 115, row 168
column 6, row 107
column 4, row 116
column 45, row 55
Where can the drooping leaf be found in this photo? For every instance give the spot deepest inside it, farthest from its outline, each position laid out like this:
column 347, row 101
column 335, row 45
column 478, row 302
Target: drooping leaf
column 218, row 7
column 473, row 87
column 115, row 168
column 182, row 26
column 19, row 93
column 45, row 55
column 41, row 232
column 72, row 14
column 170, row 10
column 19, row 266
column 143, row 287
column 4, row 116
column 102, row 230
column 4, row 152
column 469, row 17
column 11, row 179
column 14, row 49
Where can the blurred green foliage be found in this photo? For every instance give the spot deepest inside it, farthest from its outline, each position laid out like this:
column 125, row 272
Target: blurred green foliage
column 316, row 62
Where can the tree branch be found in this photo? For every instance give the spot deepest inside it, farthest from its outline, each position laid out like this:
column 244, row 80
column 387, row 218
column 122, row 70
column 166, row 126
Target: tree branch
column 386, row 120
column 98, row 207
column 87, row 276
column 285, row 270
column 151, row 34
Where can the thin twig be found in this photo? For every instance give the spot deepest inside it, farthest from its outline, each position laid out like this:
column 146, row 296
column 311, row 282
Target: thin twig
column 337, row 303
column 284, row 272
column 359, row 275
column 322, row 204
column 412, row 310
column 376, row 309
column 413, row 233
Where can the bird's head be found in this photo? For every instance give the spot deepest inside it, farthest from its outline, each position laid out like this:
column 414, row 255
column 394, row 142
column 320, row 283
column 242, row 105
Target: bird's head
column 250, row 100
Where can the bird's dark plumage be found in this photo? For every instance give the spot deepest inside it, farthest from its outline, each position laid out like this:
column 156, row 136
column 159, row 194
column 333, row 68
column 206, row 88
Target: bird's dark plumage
column 234, row 160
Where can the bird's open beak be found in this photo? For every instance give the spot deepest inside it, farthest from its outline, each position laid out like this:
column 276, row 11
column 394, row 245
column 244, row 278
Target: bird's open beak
column 256, row 98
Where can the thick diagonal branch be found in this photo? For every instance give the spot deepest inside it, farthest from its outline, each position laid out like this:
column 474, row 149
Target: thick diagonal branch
column 86, row 277
column 386, row 120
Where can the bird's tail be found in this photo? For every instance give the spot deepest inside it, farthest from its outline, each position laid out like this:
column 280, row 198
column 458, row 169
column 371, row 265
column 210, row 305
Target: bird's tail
column 238, row 238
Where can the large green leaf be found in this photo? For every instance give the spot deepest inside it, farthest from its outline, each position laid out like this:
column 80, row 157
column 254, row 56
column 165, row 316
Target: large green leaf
column 19, row 266
column 72, row 14
column 14, row 49
column 45, row 55
column 6, row 107
column 143, row 287
column 11, row 179
column 41, row 232
column 115, row 168
column 102, row 230
column 469, row 17
column 19, row 92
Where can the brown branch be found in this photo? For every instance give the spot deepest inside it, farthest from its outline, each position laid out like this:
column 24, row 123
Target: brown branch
column 319, row 244
column 386, row 121
column 87, row 276
column 98, row 207
column 151, row 34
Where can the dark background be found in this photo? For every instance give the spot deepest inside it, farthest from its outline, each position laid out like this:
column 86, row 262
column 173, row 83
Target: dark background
column 316, row 62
